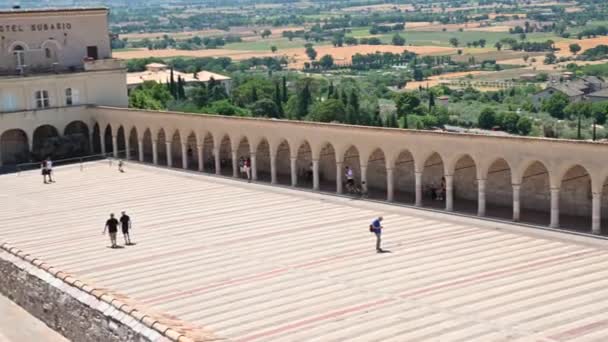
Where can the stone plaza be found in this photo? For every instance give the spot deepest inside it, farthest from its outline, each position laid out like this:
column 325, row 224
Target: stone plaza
column 252, row 262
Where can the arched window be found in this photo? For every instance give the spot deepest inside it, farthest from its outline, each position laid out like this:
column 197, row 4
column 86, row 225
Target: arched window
column 71, row 96
column 42, row 99
column 19, row 53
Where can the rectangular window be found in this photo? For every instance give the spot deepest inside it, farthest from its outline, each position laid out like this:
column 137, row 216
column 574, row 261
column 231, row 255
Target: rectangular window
column 92, row 52
column 9, row 102
column 42, row 99
column 71, row 97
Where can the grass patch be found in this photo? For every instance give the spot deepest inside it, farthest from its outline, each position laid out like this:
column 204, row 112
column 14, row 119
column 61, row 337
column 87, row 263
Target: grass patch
column 265, row 44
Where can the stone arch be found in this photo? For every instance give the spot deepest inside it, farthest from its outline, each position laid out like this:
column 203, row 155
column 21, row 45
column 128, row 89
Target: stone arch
column 243, row 154
column 465, row 190
column 208, row 153
column 96, row 139
column 134, row 143
column 226, row 156
column 192, row 152
column 575, row 199
column 433, row 172
column 262, row 156
column 376, row 174
column 148, row 150
column 283, row 162
column 352, row 159
column 176, row 149
column 121, row 143
column 535, row 194
column 327, row 168
column 45, row 142
column 14, row 146
column 107, row 139
column 77, row 132
column 405, row 178
column 161, row 146
column 499, row 189
column 304, row 157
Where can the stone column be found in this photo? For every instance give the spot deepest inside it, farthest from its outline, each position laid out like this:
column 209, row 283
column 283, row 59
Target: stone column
column 155, row 152
column 481, row 197
column 294, row 171
column 339, row 171
column 449, row 192
column 184, row 156
column 169, row 154
column 516, row 202
column 273, row 170
column 554, row 208
column 254, row 167
column 218, row 164
column 596, row 213
column 390, row 185
column 315, row 174
column 201, row 161
column 127, row 149
column 102, row 140
column 235, row 165
column 140, row 150
column 418, row 176
column 364, row 178
column 114, row 146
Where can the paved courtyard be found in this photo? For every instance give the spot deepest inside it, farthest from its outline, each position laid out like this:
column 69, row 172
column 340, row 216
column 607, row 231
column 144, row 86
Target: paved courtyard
column 258, row 263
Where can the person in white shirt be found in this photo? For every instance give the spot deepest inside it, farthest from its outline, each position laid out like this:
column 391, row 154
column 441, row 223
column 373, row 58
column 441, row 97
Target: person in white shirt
column 48, row 164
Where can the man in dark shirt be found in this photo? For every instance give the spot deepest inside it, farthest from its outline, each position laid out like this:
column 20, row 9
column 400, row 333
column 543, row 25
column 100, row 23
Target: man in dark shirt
column 112, row 227
column 125, row 223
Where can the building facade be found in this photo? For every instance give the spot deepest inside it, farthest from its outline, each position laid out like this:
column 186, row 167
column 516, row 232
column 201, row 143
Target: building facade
column 58, row 58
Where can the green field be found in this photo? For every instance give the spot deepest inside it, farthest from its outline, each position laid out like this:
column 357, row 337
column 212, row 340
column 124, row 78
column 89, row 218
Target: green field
column 265, row 44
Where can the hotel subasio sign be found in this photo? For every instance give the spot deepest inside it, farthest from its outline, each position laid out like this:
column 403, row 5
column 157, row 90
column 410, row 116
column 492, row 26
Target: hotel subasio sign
column 35, row 27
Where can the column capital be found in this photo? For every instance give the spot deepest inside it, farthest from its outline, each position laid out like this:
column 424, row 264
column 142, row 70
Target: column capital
column 596, row 194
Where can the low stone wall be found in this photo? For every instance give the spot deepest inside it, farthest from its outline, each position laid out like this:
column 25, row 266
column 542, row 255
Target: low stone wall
column 76, row 310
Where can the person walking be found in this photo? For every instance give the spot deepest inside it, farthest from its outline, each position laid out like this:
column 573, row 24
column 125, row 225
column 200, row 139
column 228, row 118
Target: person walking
column 125, row 223
column 376, row 228
column 121, row 166
column 248, row 168
column 49, row 169
column 112, row 227
column 43, row 171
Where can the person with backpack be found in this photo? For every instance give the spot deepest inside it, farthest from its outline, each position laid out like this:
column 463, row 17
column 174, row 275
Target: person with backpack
column 376, row 228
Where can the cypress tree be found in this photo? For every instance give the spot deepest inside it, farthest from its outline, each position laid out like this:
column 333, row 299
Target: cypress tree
column 254, row 95
column 172, row 87
column 181, row 84
column 343, row 97
column 431, row 100
column 285, row 94
column 304, row 100
column 277, row 99
column 330, row 90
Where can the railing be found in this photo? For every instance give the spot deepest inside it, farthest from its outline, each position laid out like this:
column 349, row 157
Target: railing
column 68, row 161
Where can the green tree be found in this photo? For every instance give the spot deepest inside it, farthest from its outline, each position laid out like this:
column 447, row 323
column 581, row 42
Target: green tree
column 265, row 108
column 330, row 90
column 285, row 91
column 406, row 103
column 555, row 105
column 418, row 74
column 273, row 49
column 278, row 100
column 509, row 122
column 398, row 40
column 311, row 53
column 266, row 33
column 454, row 42
column 199, row 95
column 524, row 125
column 431, row 100
column 487, row 118
column 353, row 108
column 574, row 48
column 498, row 46
column 328, row 111
column 326, row 62
column 150, row 95
column 304, row 100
